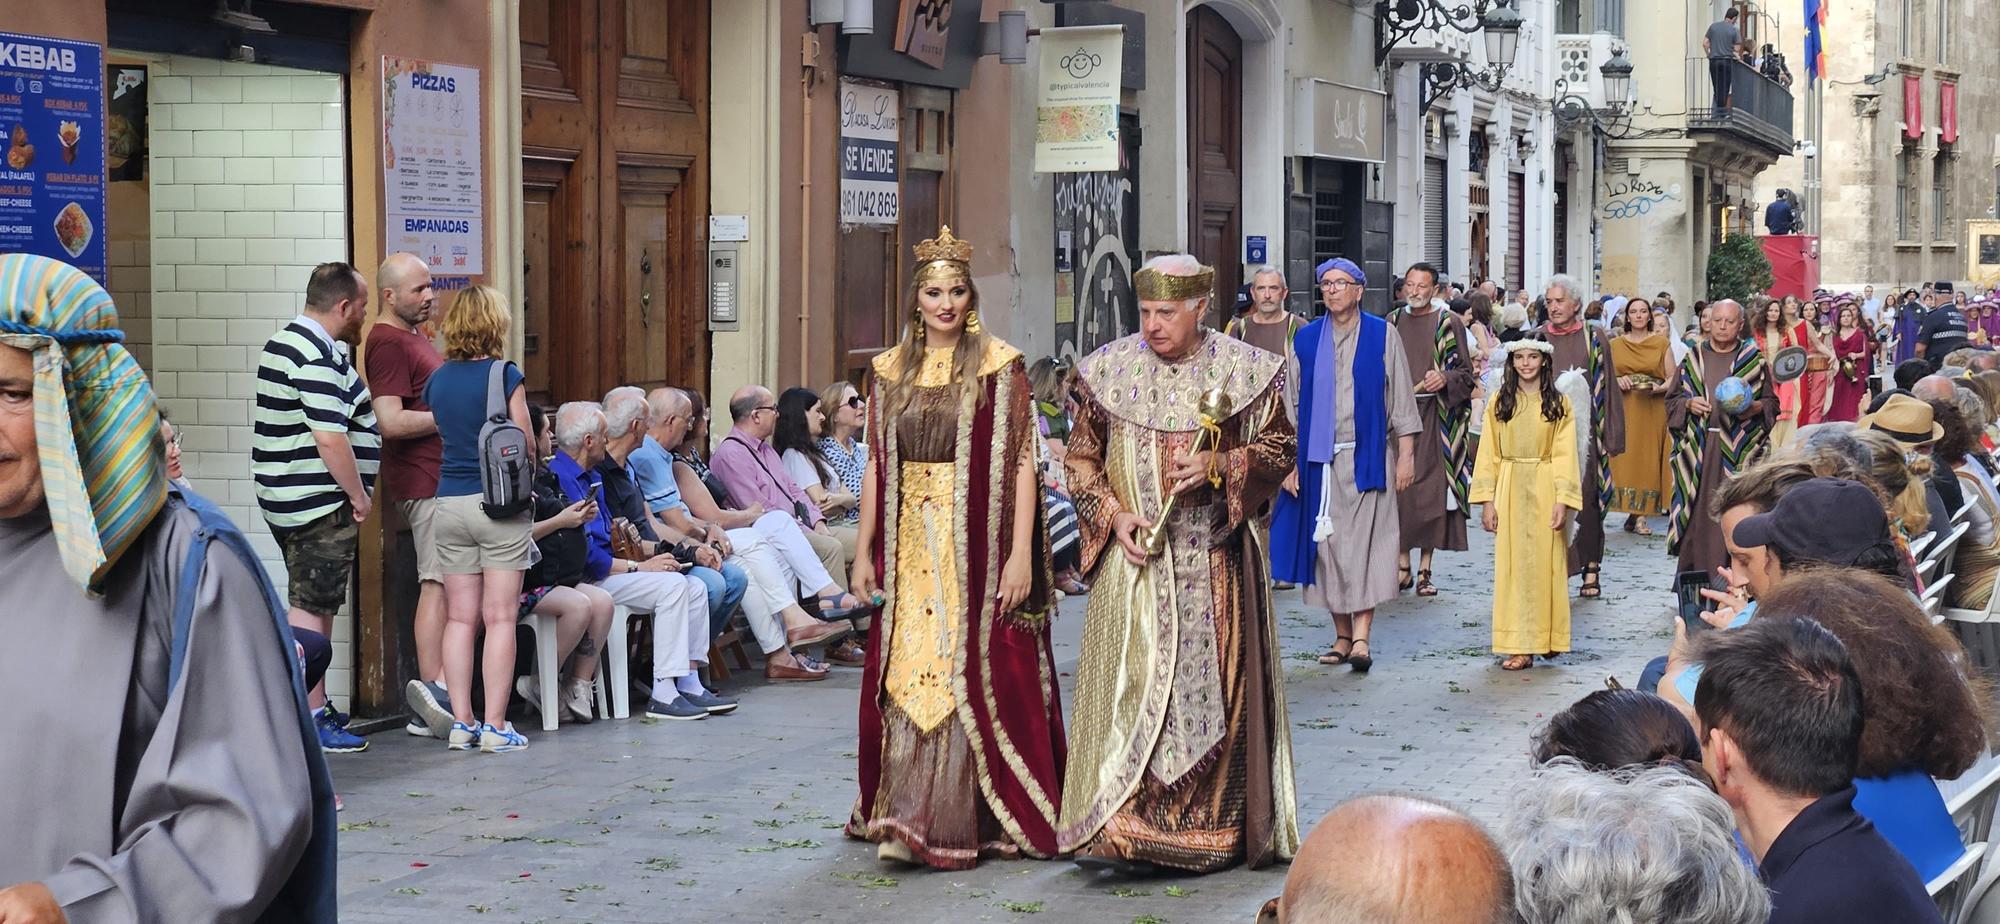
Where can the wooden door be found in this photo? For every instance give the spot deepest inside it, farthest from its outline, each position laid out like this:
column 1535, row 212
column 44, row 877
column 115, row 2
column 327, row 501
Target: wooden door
column 614, row 136
column 1215, row 151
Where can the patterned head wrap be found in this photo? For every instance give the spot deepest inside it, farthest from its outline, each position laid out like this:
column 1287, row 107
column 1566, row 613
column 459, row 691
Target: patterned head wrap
column 95, row 422
column 1344, row 265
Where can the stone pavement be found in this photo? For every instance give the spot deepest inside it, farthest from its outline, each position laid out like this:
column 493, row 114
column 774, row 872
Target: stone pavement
column 737, row 818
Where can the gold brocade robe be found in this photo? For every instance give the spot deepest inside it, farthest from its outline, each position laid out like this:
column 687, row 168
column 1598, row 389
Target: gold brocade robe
column 1180, row 751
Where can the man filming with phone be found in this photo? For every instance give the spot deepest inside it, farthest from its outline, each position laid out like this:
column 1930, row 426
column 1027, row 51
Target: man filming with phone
column 1817, row 523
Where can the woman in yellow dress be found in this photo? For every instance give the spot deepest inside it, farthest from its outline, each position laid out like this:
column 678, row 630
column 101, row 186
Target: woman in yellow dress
column 1643, row 361
column 961, row 752
column 1529, row 482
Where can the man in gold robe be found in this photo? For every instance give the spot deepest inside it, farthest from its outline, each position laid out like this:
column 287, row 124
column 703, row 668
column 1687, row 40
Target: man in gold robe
column 1180, row 752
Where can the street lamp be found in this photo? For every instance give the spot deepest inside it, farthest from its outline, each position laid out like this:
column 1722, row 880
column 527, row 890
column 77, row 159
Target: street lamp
column 1398, row 20
column 1501, row 27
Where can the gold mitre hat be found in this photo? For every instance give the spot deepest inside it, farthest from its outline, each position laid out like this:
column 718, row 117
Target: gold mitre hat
column 943, row 257
column 1155, row 286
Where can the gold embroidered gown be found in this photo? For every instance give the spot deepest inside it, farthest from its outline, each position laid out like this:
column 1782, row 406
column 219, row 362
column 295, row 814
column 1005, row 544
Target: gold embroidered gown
column 960, row 724
column 1180, row 752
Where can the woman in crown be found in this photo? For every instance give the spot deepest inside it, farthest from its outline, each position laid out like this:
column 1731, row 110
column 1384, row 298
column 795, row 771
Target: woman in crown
column 961, row 730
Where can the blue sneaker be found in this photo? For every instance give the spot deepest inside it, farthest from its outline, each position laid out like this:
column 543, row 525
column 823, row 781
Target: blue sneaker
column 339, row 718
column 462, row 737
column 501, row 740
column 336, row 740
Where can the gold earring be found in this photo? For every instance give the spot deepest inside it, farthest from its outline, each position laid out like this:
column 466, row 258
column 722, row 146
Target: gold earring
column 972, row 321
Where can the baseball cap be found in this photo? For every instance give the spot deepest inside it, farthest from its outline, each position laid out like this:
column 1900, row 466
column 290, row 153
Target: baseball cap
column 1829, row 520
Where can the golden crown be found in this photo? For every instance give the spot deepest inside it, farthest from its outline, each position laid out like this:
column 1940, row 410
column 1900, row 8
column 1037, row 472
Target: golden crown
column 944, row 247
column 1151, row 285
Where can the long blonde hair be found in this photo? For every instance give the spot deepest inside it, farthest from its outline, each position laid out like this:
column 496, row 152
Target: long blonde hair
column 1903, row 476
column 965, row 359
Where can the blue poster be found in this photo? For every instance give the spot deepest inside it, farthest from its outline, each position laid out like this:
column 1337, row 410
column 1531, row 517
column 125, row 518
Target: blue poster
column 52, row 128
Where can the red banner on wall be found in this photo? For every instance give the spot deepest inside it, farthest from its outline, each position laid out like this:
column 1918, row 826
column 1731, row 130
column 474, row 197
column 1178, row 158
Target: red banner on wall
column 1913, row 106
column 1948, row 113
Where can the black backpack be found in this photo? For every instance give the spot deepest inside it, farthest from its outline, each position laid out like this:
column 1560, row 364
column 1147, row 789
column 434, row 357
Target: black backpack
column 565, row 551
column 506, row 457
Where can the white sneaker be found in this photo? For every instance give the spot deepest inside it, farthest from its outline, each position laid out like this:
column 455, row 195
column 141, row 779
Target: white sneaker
column 530, row 692
column 501, row 740
column 417, row 728
column 577, row 699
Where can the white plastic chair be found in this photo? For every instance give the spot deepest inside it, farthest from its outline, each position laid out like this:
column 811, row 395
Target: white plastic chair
column 1934, row 596
column 1964, row 513
column 1940, row 557
column 1951, row 888
column 1923, row 542
column 612, row 673
column 547, row 671
column 1971, row 799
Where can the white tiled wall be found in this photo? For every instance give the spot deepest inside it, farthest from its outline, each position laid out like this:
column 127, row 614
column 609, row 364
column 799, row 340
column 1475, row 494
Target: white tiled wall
column 248, row 195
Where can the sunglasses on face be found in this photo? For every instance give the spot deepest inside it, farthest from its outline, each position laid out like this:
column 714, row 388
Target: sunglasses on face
column 854, row 401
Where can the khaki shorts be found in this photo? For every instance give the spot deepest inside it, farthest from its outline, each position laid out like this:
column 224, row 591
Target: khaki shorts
column 421, row 514
column 319, row 561
column 469, row 542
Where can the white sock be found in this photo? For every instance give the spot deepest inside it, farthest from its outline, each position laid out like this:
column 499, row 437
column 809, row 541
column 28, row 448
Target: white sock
column 664, row 691
column 689, row 683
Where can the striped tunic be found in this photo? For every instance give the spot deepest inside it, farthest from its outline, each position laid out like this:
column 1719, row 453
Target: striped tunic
column 305, row 385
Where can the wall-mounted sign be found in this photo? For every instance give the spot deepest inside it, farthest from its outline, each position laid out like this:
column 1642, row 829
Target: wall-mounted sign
column 728, row 228
column 1076, row 116
column 870, row 117
column 52, row 130
column 1256, row 249
column 921, row 29
column 1337, row 121
column 433, row 179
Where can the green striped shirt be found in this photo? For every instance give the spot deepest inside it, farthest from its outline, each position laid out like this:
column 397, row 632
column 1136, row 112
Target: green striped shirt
column 304, row 386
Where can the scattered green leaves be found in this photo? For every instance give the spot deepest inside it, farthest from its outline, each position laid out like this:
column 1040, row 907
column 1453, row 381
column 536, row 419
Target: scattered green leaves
column 1149, row 919
column 417, row 795
column 1128, row 892
column 1409, row 747
column 770, row 822
column 660, row 864
column 797, row 843
column 409, row 890
column 370, row 825
column 1452, row 686
column 1178, row 892
column 1321, row 722
column 868, row 880
column 1022, row 907
column 585, row 887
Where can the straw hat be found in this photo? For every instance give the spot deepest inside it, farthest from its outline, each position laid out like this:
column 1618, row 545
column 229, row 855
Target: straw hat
column 1904, row 418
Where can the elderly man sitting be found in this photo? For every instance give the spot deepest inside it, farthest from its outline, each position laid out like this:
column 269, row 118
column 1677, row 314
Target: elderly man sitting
column 754, row 474
column 1649, row 844
column 1396, row 860
column 677, row 602
column 771, row 605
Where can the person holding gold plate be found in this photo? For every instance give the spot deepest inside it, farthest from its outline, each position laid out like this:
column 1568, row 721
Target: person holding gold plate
column 1180, row 750
column 961, row 730
column 1643, row 361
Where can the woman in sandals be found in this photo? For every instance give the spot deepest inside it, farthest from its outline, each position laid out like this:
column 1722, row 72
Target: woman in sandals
column 1641, row 480
column 1530, row 485
column 962, row 746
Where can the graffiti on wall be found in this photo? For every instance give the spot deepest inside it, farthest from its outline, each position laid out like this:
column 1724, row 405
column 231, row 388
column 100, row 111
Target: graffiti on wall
column 1635, row 197
column 1096, row 222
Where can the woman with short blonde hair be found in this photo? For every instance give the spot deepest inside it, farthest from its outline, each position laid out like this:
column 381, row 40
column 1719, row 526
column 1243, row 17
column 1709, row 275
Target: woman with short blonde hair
column 475, row 326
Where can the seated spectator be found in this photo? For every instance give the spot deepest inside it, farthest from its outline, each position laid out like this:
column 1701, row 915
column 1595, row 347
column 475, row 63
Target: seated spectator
column 840, row 443
column 804, row 554
column 753, row 483
column 1907, row 373
column 1637, row 843
column 1396, row 860
column 1923, row 716
column 1933, row 388
column 1613, row 729
column 556, row 585
column 652, row 585
column 801, row 422
column 1780, row 710
column 626, row 422
column 480, row 558
column 1905, row 475
column 1048, row 378
column 770, row 603
column 1976, row 560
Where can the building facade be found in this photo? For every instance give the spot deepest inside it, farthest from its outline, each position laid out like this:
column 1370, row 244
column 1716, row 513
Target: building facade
column 1905, row 143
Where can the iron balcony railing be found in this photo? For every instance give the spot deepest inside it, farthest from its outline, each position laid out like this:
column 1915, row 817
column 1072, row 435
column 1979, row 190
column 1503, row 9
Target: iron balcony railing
column 1757, row 109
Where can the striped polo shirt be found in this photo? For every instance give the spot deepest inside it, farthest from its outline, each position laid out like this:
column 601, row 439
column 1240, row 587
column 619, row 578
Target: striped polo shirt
column 306, row 384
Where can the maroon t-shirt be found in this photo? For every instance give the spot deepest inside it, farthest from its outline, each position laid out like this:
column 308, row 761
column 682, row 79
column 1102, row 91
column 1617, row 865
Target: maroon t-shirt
column 398, row 364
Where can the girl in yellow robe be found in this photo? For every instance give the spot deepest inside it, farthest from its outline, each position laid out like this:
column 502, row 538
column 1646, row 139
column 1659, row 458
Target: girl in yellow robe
column 1527, row 477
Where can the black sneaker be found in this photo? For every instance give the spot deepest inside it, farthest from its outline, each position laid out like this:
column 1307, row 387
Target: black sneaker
column 427, row 701
column 680, row 710
column 715, row 703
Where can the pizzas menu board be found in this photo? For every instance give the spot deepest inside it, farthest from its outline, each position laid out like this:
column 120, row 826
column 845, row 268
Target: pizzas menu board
column 52, row 133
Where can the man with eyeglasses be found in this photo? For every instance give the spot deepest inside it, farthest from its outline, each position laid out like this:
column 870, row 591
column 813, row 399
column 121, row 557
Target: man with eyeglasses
column 1432, row 511
column 1335, row 527
column 751, row 469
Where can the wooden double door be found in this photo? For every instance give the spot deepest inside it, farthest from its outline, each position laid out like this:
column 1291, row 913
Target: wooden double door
column 1215, row 152
column 614, row 142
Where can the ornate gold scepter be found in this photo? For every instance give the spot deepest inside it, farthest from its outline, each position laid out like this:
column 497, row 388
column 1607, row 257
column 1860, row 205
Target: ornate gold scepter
column 1213, row 408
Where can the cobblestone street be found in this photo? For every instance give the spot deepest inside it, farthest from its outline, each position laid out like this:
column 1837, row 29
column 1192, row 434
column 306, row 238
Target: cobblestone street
column 737, row 818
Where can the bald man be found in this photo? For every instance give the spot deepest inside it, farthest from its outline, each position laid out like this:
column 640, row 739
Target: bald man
column 1934, row 388
column 397, row 360
column 1397, row 860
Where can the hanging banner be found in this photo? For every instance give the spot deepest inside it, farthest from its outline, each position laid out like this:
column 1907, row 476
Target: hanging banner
column 52, row 128
column 433, row 181
column 869, row 188
column 1076, row 114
